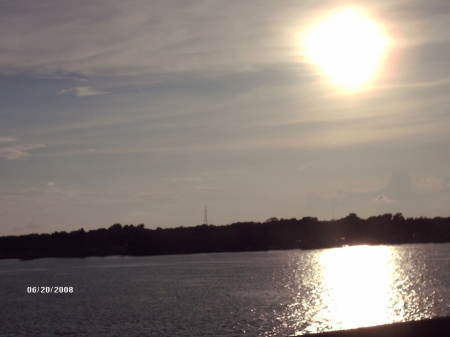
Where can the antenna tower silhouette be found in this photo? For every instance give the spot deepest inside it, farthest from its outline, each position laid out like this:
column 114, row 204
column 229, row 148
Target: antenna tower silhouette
column 205, row 216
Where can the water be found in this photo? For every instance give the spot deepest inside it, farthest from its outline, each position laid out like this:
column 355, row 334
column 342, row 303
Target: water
column 265, row 294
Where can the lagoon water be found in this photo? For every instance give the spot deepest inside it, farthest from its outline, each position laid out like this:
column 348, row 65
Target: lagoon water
column 275, row 293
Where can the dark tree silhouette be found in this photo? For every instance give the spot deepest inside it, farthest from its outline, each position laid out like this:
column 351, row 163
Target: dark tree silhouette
column 305, row 233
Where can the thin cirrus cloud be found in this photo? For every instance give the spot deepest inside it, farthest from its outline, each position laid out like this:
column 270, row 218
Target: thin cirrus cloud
column 17, row 151
column 85, row 91
column 139, row 36
column 133, row 37
column 7, row 139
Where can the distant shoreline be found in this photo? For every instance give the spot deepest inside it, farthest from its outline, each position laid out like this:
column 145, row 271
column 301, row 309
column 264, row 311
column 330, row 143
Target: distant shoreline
column 218, row 252
column 274, row 234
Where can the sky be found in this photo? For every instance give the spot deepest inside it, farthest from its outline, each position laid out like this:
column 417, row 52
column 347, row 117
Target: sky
column 138, row 111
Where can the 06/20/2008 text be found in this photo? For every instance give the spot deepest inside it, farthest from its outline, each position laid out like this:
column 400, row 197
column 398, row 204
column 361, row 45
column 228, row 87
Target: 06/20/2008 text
column 50, row 290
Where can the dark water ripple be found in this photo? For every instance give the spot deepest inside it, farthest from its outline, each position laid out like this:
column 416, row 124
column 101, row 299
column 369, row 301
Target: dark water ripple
column 268, row 294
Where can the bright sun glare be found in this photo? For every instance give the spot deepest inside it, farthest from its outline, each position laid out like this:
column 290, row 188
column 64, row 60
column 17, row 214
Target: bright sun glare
column 358, row 285
column 347, row 46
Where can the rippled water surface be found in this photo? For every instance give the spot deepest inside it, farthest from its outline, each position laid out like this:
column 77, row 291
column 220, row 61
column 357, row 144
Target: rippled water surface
column 275, row 293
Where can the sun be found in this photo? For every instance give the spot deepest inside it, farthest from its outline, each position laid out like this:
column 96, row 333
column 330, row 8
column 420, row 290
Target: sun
column 348, row 46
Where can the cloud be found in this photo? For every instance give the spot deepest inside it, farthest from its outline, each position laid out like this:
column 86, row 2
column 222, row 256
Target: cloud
column 432, row 184
column 7, row 139
column 19, row 151
column 82, row 91
column 136, row 36
column 186, row 180
column 384, row 199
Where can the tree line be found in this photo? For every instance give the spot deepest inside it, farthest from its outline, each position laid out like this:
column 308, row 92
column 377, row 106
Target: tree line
column 305, row 233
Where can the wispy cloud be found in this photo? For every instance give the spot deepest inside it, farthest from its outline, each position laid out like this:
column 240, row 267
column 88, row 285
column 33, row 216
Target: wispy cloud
column 7, row 139
column 384, row 199
column 82, row 91
column 136, row 36
column 186, row 180
column 431, row 184
column 18, row 151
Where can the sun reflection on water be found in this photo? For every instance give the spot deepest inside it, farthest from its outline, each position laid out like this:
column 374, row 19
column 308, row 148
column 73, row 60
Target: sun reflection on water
column 350, row 287
column 357, row 286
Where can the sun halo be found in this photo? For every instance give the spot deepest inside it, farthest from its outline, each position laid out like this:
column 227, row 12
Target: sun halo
column 347, row 46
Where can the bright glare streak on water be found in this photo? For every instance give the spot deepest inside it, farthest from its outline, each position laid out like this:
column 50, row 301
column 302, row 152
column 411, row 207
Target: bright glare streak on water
column 357, row 285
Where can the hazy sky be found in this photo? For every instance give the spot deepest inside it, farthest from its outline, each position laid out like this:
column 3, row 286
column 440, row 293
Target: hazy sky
column 144, row 111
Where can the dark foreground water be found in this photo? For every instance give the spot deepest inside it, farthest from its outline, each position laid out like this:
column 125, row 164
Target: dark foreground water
column 275, row 293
